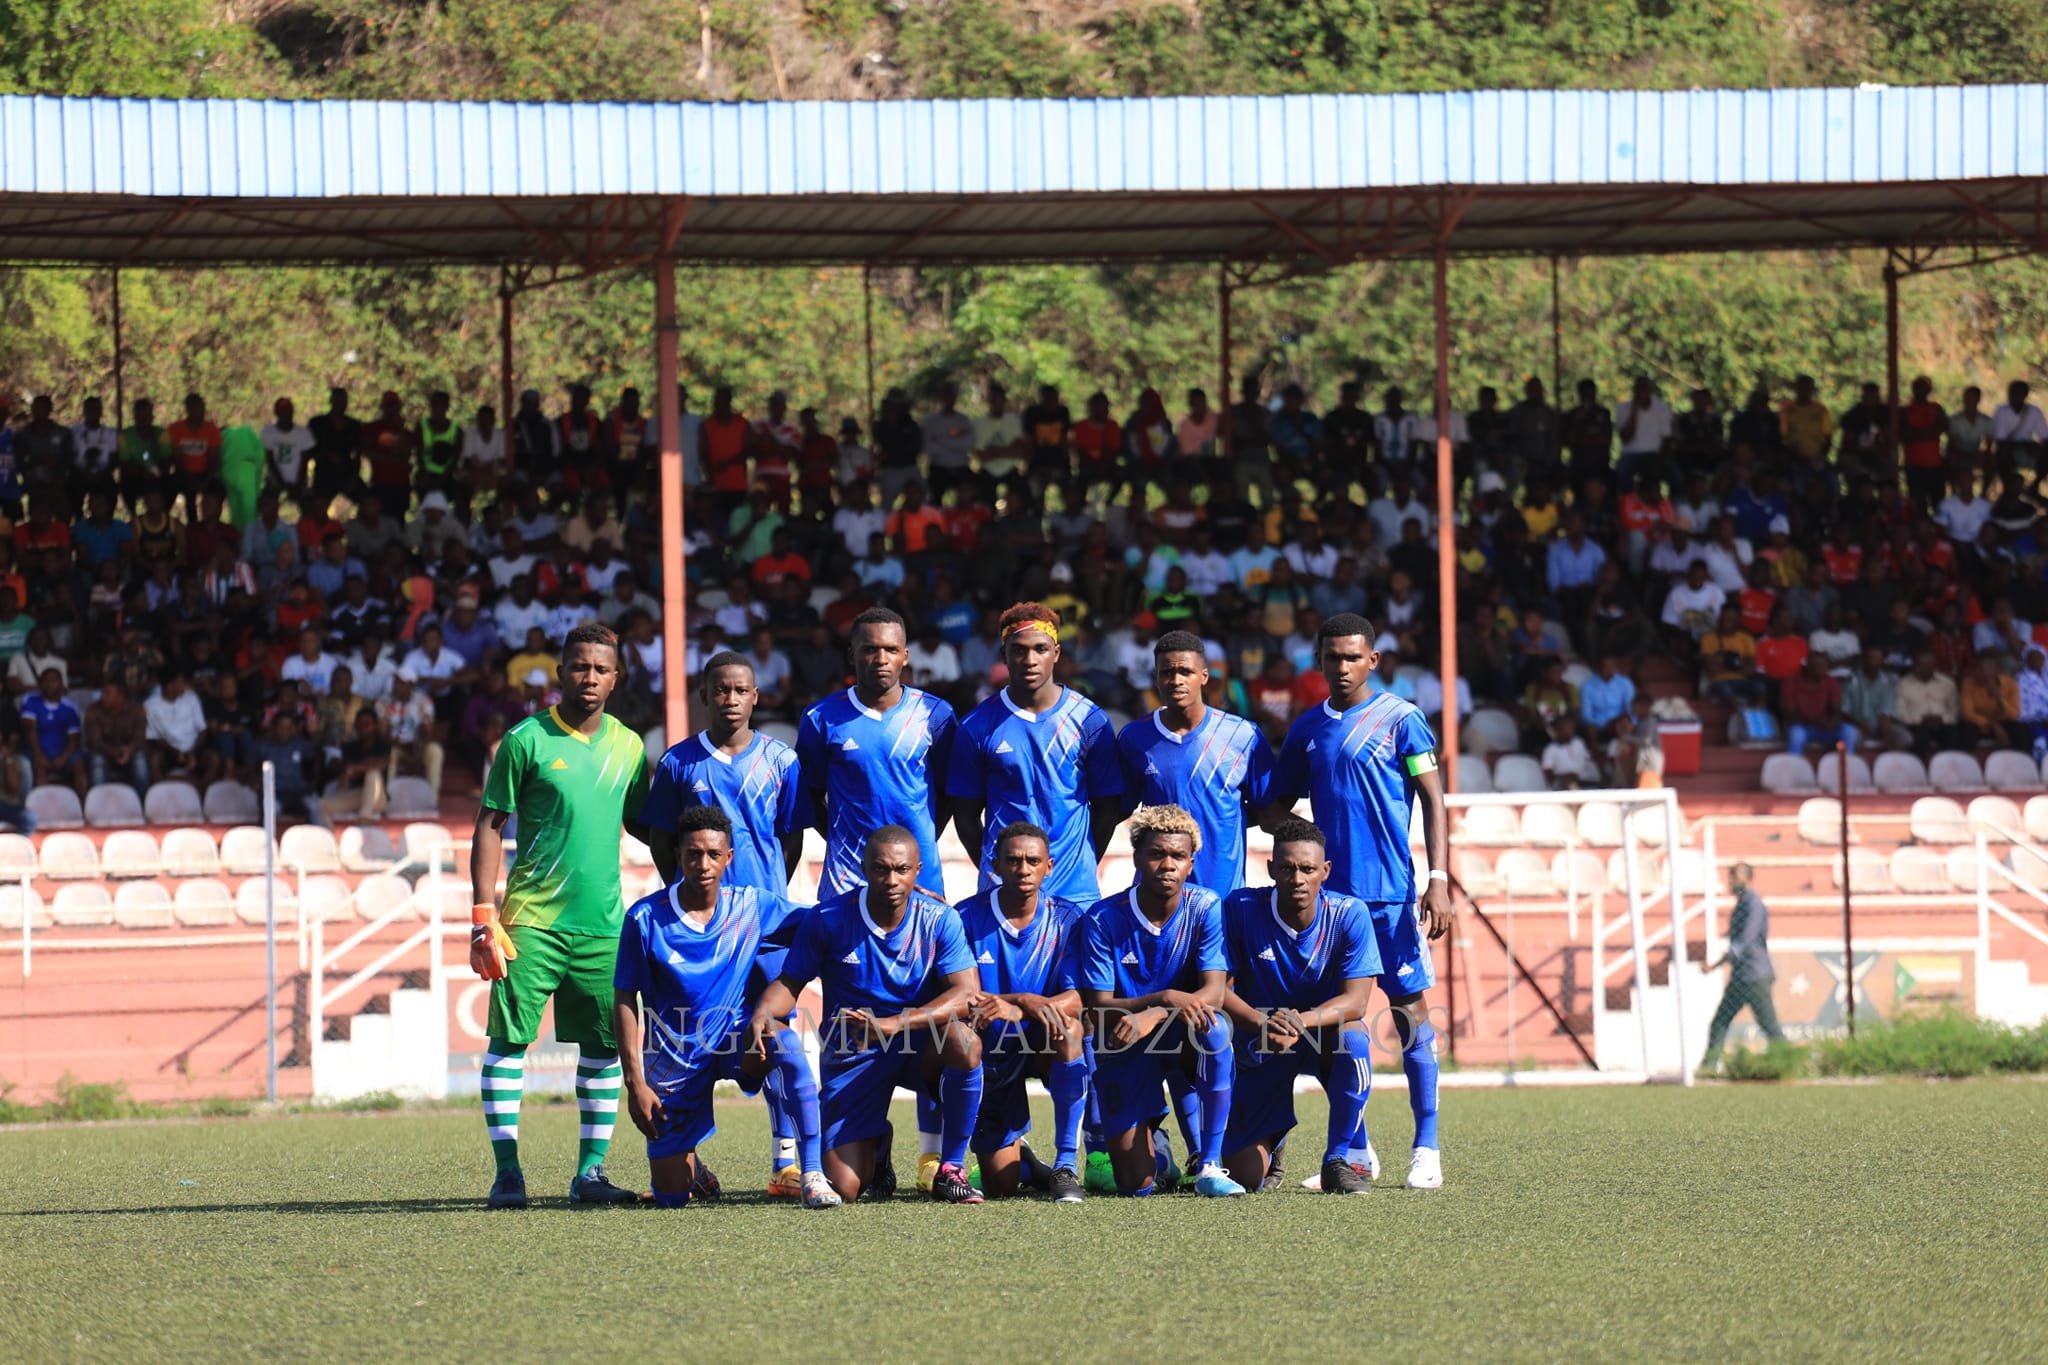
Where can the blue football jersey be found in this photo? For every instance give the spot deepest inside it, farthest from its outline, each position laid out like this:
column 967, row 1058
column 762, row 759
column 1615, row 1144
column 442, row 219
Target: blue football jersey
column 1275, row 967
column 1044, row 768
column 860, row 967
column 693, row 982
column 1125, row 954
column 758, row 790
column 1039, row 960
column 1356, row 768
column 1211, row 772
column 875, row 768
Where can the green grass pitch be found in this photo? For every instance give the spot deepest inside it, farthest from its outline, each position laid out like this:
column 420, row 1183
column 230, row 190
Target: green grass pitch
column 1894, row 1221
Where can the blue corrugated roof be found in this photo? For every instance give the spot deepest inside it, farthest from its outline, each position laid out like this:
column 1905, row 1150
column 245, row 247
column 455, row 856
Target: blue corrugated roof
column 250, row 149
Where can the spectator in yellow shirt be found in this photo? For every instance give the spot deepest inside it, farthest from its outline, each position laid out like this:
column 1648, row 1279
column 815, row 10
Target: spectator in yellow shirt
column 1806, row 424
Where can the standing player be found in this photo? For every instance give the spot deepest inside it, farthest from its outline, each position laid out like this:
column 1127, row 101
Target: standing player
column 898, row 984
column 1040, row 753
column 752, row 778
column 687, row 957
column 1215, row 766
column 572, row 775
column 1302, row 960
column 1152, row 964
column 876, row 755
column 1361, row 758
column 1028, row 1012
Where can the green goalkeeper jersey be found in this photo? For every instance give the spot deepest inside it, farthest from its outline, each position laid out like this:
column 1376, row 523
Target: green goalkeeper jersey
column 569, row 792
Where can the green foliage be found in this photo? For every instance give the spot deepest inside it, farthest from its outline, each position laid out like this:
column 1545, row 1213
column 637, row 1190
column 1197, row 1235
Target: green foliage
column 1945, row 1044
column 75, row 1101
column 1779, row 1062
column 1945, row 41
column 166, row 48
column 375, row 1102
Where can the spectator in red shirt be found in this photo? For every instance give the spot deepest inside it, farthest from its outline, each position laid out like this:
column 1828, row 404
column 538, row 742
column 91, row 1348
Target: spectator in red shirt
column 1923, row 424
column 1843, row 557
column 773, row 440
column 1810, row 707
column 1950, row 643
column 911, row 525
column 42, row 530
column 195, row 452
column 722, row 453
column 1783, row 652
column 780, row 562
column 315, row 525
column 817, row 457
column 1645, row 512
column 1099, row 443
column 208, row 532
column 965, row 518
column 393, row 450
column 1758, row 600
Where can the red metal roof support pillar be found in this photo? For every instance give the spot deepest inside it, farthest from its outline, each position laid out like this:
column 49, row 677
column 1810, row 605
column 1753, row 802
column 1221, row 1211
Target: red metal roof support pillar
column 1446, row 514
column 120, row 413
column 505, row 408
column 1891, row 355
column 674, row 671
column 1226, row 396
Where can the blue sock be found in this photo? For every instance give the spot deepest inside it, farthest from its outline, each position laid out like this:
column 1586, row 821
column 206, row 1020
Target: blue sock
column 1187, row 1109
column 1348, row 1082
column 1418, row 1059
column 1360, row 1141
column 1068, row 1082
column 959, row 1104
column 1215, row 1073
column 1091, row 1125
column 930, row 1123
column 793, row 1101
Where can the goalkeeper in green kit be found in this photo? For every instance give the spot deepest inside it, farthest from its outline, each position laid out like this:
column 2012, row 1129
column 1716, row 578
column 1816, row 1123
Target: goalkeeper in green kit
column 572, row 775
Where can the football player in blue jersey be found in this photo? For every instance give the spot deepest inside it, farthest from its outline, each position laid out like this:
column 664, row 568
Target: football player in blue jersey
column 687, row 955
column 1028, row 1012
column 1362, row 758
column 1040, row 753
column 899, row 985
column 876, row 755
column 1153, row 977
column 1302, row 963
column 753, row 778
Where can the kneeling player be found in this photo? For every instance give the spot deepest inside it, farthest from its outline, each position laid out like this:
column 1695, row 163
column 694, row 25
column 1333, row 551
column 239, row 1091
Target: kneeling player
column 1153, row 975
column 1302, row 963
column 898, row 983
column 1028, row 1013
column 685, row 955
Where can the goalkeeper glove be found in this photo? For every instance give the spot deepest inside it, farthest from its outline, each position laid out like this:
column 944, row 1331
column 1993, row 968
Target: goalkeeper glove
column 490, row 948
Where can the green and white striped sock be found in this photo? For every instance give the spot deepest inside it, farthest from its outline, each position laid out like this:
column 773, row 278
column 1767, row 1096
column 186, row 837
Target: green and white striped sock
column 598, row 1078
column 504, row 1080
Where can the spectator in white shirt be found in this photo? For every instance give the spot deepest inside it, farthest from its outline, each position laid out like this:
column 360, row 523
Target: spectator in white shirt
column 521, row 611
column 1644, row 423
column 374, row 664
column 1399, row 506
column 1207, row 568
column 288, row 444
column 511, row 560
column 2002, row 632
column 1309, row 556
column 1728, row 557
column 858, row 520
column 177, row 722
column 1693, row 607
column 1567, row 763
column 934, row 664
column 312, row 668
column 1963, row 512
column 2018, row 429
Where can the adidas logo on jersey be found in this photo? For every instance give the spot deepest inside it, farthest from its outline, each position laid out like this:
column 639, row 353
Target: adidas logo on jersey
column 1151, row 768
column 675, row 959
column 852, row 958
column 1131, row 960
column 1266, row 954
column 700, row 785
column 987, row 957
column 1311, row 746
column 558, row 763
column 849, row 744
column 1004, row 748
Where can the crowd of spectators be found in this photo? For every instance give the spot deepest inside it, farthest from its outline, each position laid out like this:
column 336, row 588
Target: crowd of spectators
column 354, row 599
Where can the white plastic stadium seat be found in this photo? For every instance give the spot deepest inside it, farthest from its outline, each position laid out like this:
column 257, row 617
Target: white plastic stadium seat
column 231, row 803
column 17, row 855
column 823, row 596
column 1552, row 825
column 143, row 905
column 1491, row 825
column 190, row 853
column 367, row 848
column 11, row 908
column 2009, row 770
column 422, row 842
column 56, row 808
column 1869, row 869
column 1576, row 673
column 1919, row 871
column 1647, row 825
column 711, row 599
column 308, row 848
column 413, row 799
column 1475, row 778
column 1518, row 773
column 1962, row 868
column 244, row 848
column 203, row 903
column 381, row 893
column 131, row 853
column 1900, row 774
column 656, row 741
column 1490, row 730
column 70, row 855
column 1789, row 775
column 1955, row 771
column 633, row 853
column 1820, row 820
column 2036, row 817
column 82, row 905
column 1474, row 873
column 1830, row 774
column 1578, row 869
column 1997, row 817
column 113, row 805
column 1524, row 874
column 1600, row 824
column 2032, row 869
column 1649, row 871
column 327, row 899
column 1938, row 820
column 1693, row 870
column 787, row 733
column 249, row 898
column 173, row 803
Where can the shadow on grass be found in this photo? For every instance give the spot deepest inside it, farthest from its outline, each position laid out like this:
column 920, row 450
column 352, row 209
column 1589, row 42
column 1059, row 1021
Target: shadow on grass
column 406, row 1206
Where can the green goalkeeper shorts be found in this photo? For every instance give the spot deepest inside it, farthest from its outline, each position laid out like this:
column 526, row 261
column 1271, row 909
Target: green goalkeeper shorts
column 576, row 969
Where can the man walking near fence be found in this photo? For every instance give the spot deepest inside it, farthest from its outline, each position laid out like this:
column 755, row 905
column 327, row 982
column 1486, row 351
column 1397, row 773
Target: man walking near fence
column 1750, row 975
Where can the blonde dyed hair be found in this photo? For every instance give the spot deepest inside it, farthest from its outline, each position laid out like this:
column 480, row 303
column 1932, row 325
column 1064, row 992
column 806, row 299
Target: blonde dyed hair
column 1164, row 820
